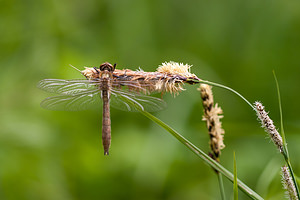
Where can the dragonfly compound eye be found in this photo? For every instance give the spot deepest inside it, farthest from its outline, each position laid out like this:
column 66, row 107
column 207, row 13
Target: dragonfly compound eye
column 106, row 66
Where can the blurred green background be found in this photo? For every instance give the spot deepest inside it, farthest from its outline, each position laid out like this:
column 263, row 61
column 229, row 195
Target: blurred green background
column 58, row 155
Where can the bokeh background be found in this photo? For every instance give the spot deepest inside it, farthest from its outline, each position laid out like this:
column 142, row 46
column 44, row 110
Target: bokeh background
column 58, row 155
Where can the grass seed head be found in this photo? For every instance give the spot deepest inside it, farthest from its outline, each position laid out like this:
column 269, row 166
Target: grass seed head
column 175, row 68
column 288, row 183
column 212, row 116
column 90, row 73
column 268, row 125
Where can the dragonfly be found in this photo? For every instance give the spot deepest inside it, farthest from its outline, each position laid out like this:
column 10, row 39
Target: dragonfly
column 105, row 84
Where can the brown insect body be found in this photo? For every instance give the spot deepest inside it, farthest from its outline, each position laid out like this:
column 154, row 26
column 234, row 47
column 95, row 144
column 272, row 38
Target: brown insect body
column 105, row 76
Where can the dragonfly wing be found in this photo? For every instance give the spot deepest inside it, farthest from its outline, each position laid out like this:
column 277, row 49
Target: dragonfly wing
column 81, row 101
column 81, row 94
column 127, row 101
column 69, row 87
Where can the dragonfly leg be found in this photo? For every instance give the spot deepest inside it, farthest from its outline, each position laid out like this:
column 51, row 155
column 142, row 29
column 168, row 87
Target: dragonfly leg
column 116, row 76
column 96, row 70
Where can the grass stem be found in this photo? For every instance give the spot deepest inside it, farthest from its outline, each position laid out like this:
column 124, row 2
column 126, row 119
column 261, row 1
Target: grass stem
column 221, row 186
column 227, row 88
column 215, row 165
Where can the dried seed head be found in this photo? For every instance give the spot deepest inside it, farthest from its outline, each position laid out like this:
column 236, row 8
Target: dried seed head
column 268, row 125
column 212, row 116
column 90, row 73
column 288, row 183
column 169, row 77
column 175, row 68
column 169, row 86
column 175, row 75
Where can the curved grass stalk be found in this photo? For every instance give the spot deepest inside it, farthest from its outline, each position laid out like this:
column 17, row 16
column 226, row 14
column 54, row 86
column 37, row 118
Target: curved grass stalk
column 208, row 160
column 225, row 87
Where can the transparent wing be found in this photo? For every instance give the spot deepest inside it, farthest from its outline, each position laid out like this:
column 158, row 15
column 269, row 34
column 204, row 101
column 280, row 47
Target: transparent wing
column 60, row 86
column 139, row 85
column 81, row 94
column 81, row 101
column 70, row 87
column 125, row 100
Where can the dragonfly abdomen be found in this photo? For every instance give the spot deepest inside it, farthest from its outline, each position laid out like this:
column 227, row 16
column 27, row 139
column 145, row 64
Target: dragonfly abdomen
column 106, row 123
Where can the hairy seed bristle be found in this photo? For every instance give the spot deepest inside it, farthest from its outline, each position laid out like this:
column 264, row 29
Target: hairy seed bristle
column 75, row 68
column 90, row 72
column 169, row 86
column 175, row 68
column 268, row 125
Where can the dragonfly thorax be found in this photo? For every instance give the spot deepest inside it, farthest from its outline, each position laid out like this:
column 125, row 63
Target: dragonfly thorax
column 105, row 74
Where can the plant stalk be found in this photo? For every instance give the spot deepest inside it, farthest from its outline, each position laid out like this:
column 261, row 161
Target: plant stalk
column 221, row 186
column 215, row 165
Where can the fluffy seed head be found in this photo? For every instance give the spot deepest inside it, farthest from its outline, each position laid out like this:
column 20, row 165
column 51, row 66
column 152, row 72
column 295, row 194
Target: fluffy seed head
column 175, row 68
column 89, row 72
column 288, row 183
column 169, row 86
column 268, row 125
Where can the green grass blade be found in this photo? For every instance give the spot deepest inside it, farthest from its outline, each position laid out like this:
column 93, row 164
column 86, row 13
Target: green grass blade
column 215, row 165
column 221, row 186
column 235, row 186
column 285, row 152
column 280, row 111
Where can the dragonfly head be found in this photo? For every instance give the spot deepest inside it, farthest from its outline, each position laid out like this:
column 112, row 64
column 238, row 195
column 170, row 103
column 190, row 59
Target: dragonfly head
column 107, row 67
